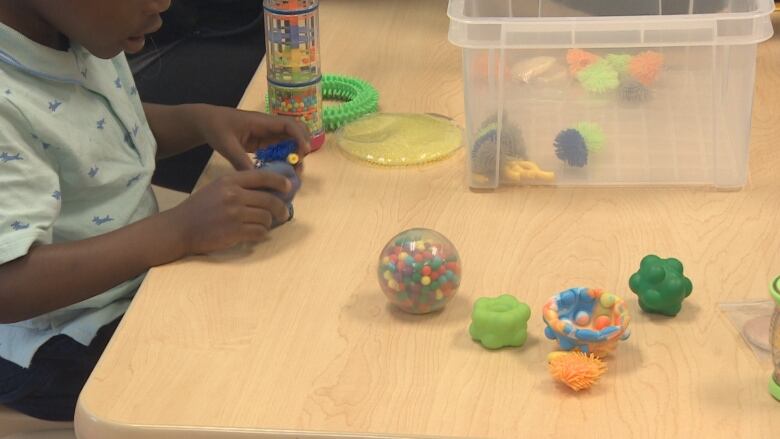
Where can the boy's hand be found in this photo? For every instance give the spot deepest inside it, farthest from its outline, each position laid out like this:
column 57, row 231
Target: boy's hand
column 231, row 210
column 234, row 133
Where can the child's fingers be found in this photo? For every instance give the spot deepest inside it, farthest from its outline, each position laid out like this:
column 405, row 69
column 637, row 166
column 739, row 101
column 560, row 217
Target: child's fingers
column 255, row 215
column 255, row 179
column 279, row 128
column 298, row 131
column 267, row 201
column 236, row 155
column 254, row 232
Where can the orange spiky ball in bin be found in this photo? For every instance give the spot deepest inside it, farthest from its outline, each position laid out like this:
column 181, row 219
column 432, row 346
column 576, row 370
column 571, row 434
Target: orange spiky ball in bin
column 579, row 59
column 646, row 66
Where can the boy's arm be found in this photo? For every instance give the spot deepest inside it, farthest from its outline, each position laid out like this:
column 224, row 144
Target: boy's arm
column 233, row 209
column 236, row 208
column 232, row 133
column 54, row 276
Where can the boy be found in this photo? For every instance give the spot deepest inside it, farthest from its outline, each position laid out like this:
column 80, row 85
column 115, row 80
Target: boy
column 78, row 221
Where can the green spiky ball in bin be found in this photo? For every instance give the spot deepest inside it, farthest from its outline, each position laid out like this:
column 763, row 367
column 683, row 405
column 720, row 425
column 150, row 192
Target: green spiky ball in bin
column 661, row 285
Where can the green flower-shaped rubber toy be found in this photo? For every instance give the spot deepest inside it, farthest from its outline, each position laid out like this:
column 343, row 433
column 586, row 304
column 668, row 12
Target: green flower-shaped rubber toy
column 500, row 321
column 660, row 285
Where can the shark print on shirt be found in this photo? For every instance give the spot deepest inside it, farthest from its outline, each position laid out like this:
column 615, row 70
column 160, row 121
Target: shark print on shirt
column 100, row 221
column 5, row 157
column 18, row 225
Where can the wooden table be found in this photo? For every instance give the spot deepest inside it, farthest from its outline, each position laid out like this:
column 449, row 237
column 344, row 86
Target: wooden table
column 295, row 339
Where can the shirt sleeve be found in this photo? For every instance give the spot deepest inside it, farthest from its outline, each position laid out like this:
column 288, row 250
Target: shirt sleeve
column 29, row 187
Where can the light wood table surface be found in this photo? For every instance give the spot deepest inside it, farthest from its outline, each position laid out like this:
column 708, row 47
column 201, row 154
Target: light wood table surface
column 295, row 338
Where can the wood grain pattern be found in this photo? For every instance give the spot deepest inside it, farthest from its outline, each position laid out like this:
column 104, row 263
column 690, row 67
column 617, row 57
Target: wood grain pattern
column 294, row 335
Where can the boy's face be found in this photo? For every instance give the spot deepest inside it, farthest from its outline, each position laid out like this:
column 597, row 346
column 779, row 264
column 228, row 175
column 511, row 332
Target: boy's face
column 105, row 27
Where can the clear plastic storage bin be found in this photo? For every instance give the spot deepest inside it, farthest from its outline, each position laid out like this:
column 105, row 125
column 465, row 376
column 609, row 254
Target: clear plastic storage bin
column 609, row 92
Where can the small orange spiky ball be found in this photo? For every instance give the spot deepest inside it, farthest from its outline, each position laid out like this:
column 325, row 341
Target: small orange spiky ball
column 646, row 66
column 576, row 369
column 578, row 59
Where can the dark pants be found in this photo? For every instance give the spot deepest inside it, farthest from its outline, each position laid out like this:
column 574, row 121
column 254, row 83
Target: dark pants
column 50, row 388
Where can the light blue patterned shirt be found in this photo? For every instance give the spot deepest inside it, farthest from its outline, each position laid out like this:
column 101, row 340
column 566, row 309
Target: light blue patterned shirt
column 76, row 161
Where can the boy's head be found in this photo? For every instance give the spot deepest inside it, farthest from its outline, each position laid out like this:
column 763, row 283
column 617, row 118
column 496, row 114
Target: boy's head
column 104, row 27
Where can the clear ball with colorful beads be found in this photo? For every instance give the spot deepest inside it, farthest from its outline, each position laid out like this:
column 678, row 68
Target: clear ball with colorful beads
column 419, row 271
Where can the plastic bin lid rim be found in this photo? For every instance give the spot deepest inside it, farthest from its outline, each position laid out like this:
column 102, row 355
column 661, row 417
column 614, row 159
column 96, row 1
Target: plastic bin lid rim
column 765, row 7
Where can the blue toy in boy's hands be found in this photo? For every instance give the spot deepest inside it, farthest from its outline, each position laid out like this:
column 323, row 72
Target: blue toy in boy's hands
column 279, row 152
column 286, row 170
column 280, row 158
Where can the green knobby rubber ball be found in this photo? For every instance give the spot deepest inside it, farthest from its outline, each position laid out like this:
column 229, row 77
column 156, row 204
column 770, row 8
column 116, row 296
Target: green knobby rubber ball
column 498, row 322
column 661, row 285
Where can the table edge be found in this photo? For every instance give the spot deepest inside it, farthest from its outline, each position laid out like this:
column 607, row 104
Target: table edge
column 90, row 426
